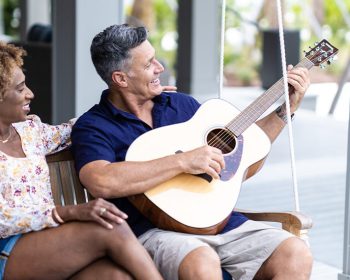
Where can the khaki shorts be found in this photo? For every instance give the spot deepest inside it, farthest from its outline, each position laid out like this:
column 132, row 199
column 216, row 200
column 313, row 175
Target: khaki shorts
column 242, row 250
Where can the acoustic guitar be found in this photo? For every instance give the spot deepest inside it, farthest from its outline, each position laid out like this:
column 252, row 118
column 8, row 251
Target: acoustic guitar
column 198, row 203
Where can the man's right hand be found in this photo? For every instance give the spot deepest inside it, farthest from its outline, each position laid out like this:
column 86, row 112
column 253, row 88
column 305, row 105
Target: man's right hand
column 205, row 159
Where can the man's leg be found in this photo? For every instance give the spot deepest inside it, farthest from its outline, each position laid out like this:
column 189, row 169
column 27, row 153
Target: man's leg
column 292, row 259
column 202, row 263
column 244, row 250
column 182, row 256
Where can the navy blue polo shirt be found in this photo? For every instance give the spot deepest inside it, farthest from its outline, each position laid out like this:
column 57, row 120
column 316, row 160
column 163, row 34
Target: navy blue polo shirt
column 105, row 133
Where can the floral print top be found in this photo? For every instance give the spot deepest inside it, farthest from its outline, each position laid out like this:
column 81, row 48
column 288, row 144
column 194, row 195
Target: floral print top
column 26, row 200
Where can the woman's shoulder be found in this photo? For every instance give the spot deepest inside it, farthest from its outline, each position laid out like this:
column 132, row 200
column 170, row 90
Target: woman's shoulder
column 32, row 121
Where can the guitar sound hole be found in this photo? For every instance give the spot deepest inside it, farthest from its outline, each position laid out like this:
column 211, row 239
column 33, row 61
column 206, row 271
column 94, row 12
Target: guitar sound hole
column 222, row 139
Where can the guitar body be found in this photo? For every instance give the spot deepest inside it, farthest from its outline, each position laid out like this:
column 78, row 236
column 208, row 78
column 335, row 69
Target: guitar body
column 189, row 203
column 199, row 204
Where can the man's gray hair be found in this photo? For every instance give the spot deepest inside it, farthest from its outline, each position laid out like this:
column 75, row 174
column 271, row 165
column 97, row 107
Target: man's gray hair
column 110, row 49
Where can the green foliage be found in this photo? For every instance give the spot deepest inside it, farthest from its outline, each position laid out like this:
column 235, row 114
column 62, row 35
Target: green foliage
column 165, row 22
column 165, row 16
column 334, row 29
column 335, row 24
column 11, row 26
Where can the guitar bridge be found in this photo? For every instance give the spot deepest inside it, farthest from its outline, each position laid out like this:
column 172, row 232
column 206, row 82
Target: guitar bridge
column 205, row 176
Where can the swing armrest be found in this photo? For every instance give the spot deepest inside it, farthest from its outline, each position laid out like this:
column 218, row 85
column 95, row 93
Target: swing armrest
column 295, row 222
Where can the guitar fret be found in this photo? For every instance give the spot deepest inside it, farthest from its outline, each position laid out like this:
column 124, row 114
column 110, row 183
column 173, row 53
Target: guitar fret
column 249, row 116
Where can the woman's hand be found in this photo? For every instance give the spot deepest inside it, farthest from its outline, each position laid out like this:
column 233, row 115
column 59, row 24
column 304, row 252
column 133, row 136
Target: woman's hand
column 97, row 210
column 169, row 88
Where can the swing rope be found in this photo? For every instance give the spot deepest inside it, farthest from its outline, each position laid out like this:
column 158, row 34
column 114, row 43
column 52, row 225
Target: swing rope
column 286, row 96
column 285, row 84
column 222, row 48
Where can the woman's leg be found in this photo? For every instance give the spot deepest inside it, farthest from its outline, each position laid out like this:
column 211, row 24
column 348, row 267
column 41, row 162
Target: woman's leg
column 59, row 253
column 102, row 269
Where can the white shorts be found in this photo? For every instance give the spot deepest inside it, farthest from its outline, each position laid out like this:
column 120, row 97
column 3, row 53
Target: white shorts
column 242, row 250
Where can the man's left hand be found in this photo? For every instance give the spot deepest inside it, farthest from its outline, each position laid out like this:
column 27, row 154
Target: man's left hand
column 299, row 79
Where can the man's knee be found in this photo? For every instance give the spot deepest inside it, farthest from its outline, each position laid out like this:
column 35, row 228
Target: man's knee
column 292, row 259
column 202, row 263
column 297, row 253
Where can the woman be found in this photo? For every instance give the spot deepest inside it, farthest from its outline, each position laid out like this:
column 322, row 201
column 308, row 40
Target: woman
column 38, row 239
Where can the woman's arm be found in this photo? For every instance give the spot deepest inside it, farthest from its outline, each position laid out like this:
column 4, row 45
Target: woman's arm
column 15, row 220
column 54, row 138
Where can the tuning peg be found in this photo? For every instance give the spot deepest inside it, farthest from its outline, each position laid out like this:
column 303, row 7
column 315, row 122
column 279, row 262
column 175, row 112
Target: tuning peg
column 316, row 43
column 322, row 66
column 335, row 58
column 329, row 62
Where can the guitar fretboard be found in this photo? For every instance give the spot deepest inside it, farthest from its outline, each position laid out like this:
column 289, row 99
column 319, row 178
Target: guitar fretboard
column 249, row 115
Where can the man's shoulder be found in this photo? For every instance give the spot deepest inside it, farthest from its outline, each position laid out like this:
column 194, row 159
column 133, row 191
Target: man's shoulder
column 93, row 116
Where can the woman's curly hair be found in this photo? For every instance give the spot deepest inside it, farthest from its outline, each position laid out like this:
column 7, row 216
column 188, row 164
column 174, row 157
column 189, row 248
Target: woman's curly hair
column 10, row 57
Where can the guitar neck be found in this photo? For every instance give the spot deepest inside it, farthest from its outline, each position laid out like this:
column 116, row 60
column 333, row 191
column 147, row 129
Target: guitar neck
column 249, row 115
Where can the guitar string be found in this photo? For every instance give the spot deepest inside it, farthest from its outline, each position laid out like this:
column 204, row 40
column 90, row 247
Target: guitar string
column 228, row 134
column 224, row 132
column 225, row 137
column 241, row 122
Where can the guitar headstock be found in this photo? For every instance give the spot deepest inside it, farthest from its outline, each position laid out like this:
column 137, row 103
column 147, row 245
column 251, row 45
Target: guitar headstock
column 322, row 52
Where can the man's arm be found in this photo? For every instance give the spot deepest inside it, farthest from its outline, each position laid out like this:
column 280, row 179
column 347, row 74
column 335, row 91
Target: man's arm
column 273, row 124
column 108, row 180
column 299, row 81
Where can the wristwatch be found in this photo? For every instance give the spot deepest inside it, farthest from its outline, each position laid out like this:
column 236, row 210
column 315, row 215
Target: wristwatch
column 282, row 114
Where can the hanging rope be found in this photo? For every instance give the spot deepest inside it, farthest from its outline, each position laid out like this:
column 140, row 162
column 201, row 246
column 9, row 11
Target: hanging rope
column 222, row 48
column 285, row 84
column 286, row 95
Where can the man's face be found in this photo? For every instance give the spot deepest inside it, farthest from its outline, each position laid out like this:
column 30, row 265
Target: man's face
column 144, row 71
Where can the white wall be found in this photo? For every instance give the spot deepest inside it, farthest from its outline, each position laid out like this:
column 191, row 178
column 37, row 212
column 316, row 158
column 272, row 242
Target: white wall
column 76, row 85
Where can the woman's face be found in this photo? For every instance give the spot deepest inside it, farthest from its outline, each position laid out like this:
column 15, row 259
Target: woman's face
column 16, row 100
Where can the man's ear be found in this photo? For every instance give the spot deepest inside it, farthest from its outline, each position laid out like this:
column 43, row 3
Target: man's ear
column 119, row 78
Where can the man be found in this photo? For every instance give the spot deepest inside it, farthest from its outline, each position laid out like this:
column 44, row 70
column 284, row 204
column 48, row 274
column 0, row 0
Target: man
column 134, row 104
